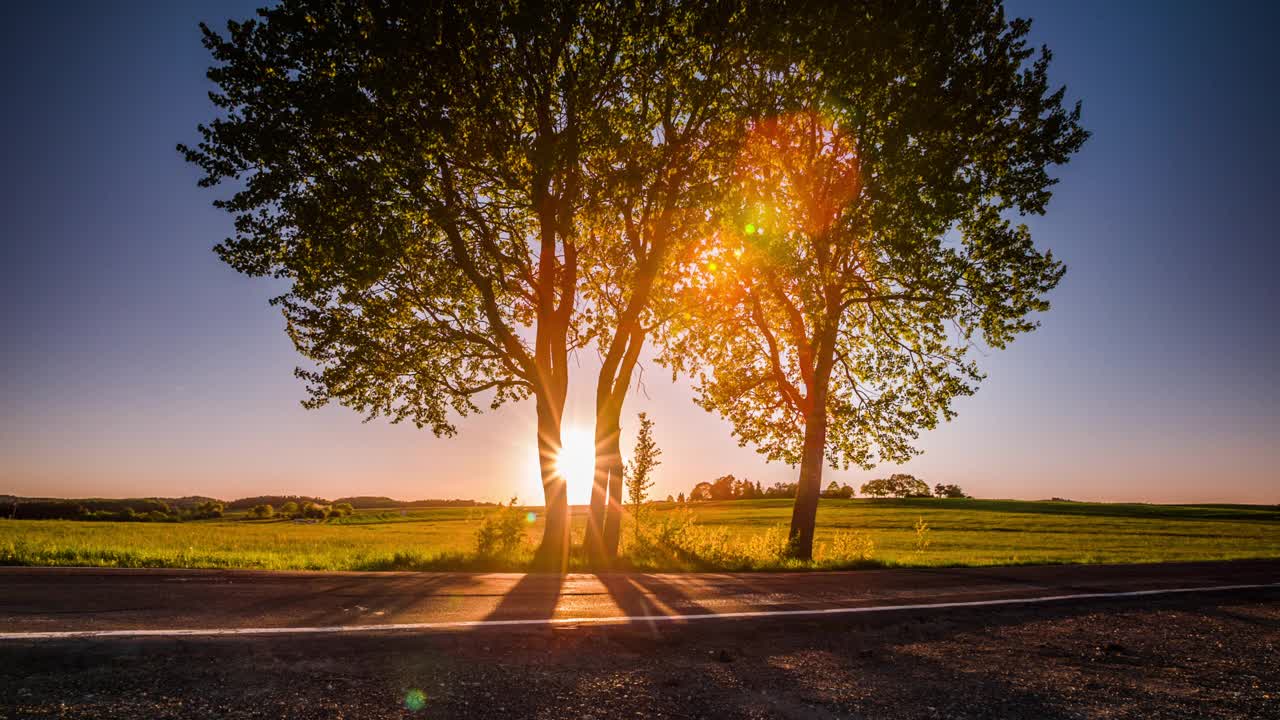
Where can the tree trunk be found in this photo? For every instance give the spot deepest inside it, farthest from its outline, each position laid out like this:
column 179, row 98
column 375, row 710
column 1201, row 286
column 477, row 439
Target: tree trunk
column 804, row 514
column 608, row 460
column 553, row 553
column 610, row 454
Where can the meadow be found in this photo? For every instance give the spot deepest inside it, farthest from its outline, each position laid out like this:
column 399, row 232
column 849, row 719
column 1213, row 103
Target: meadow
column 731, row 535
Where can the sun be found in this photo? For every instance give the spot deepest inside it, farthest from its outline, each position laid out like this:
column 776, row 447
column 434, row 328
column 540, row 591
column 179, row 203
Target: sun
column 576, row 463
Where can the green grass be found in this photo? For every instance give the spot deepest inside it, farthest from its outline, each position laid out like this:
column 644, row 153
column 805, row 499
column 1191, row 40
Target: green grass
column 738, row 535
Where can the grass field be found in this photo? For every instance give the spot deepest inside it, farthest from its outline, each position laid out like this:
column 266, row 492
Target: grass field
column 738, row 535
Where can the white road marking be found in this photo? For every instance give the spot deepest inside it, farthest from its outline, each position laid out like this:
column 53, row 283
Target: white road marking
column 614, row 620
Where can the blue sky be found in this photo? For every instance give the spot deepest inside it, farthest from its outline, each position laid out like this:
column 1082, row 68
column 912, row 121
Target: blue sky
column 133, row 363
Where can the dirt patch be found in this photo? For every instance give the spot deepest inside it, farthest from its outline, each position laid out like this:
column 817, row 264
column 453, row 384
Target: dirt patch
column 1207, row 656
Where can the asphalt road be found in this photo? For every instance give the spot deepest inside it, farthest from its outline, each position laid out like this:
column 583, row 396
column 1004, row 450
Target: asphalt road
column 74, row 600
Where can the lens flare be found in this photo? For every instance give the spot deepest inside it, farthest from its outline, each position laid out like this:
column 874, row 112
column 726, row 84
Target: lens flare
column 415, row 700
column 531, row 517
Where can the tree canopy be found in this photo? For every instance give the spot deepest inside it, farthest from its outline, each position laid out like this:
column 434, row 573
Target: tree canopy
column 416, row 172
column 867, row 240
column 812, row 205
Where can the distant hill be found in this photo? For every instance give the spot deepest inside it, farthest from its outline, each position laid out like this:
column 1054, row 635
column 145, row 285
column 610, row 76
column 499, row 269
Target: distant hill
column 364, row 502
column 56, row 507
column 274, row 500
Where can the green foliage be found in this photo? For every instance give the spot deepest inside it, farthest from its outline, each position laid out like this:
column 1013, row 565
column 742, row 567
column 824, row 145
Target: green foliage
column 835, row 490
column 639, row 475
column 341, row 510
column 899, row 485
column 846, row 548
column 864, row 243
column 923, row 539
column 948, row 491
column 290, row 509
column 676, row 540
column 501, row 533
column 261, row 512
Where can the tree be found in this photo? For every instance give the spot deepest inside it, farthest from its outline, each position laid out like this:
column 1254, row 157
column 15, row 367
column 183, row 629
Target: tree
column 906, row 486
column 289, row 509
column 832, row 491
column 671, row 498
column 900, row 485
column 261, row 512
column 416, row 174
column 880, row 487
column 342, row 509
column 670, row 144
column 865, row 243
column 948, row 491
column 639, row 473
column 680, row 498
column 722, row 488
column 204, row 510
column 700, row 492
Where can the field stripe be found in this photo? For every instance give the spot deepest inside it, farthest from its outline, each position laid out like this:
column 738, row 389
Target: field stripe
column 613, row 620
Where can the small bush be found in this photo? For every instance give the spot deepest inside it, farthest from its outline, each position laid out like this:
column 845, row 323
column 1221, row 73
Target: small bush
column 846, row 548
column 676, row 540
column 768, row 548
column 261, row 512
column 923, row 541
column 501, row 533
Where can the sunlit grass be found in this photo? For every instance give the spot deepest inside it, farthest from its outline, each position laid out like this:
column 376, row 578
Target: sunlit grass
column 741, row 535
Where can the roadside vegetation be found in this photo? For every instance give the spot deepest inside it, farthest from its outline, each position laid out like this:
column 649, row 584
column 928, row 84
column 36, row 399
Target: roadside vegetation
column 729, row 536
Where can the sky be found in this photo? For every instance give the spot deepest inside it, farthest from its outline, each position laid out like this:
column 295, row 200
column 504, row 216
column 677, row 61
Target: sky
column 134, row 363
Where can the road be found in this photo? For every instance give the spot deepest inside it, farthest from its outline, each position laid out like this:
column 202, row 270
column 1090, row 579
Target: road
column 52, row 602
column 915, row 644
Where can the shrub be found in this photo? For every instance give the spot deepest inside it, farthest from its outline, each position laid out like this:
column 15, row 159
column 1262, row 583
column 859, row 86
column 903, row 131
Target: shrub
column 341, row 509
column 675, row 539
column 923, row 541
column 262, row 512
column 315, row 511
column 289, row 509
column 848, row 547
column 501, row 533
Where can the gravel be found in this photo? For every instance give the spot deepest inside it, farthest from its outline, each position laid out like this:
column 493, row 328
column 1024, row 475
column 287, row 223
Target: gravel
column 1206, row 656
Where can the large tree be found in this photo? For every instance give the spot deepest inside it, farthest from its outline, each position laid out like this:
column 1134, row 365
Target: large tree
column 670, row 146
column 866, row 241
column 415, row 171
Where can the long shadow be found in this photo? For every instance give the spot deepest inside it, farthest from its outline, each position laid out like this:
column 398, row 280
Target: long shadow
column 534, row 597
column 361, row 600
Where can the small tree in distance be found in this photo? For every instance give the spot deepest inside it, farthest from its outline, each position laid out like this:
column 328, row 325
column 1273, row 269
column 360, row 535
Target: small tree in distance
column 899, row 485
column 639, row 475
column 948, row 491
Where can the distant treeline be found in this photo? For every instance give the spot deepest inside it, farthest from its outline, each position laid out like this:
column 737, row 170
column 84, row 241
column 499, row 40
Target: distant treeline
column 126, row 510
column 186, row 508
column 359, row 502
column 898, row 485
